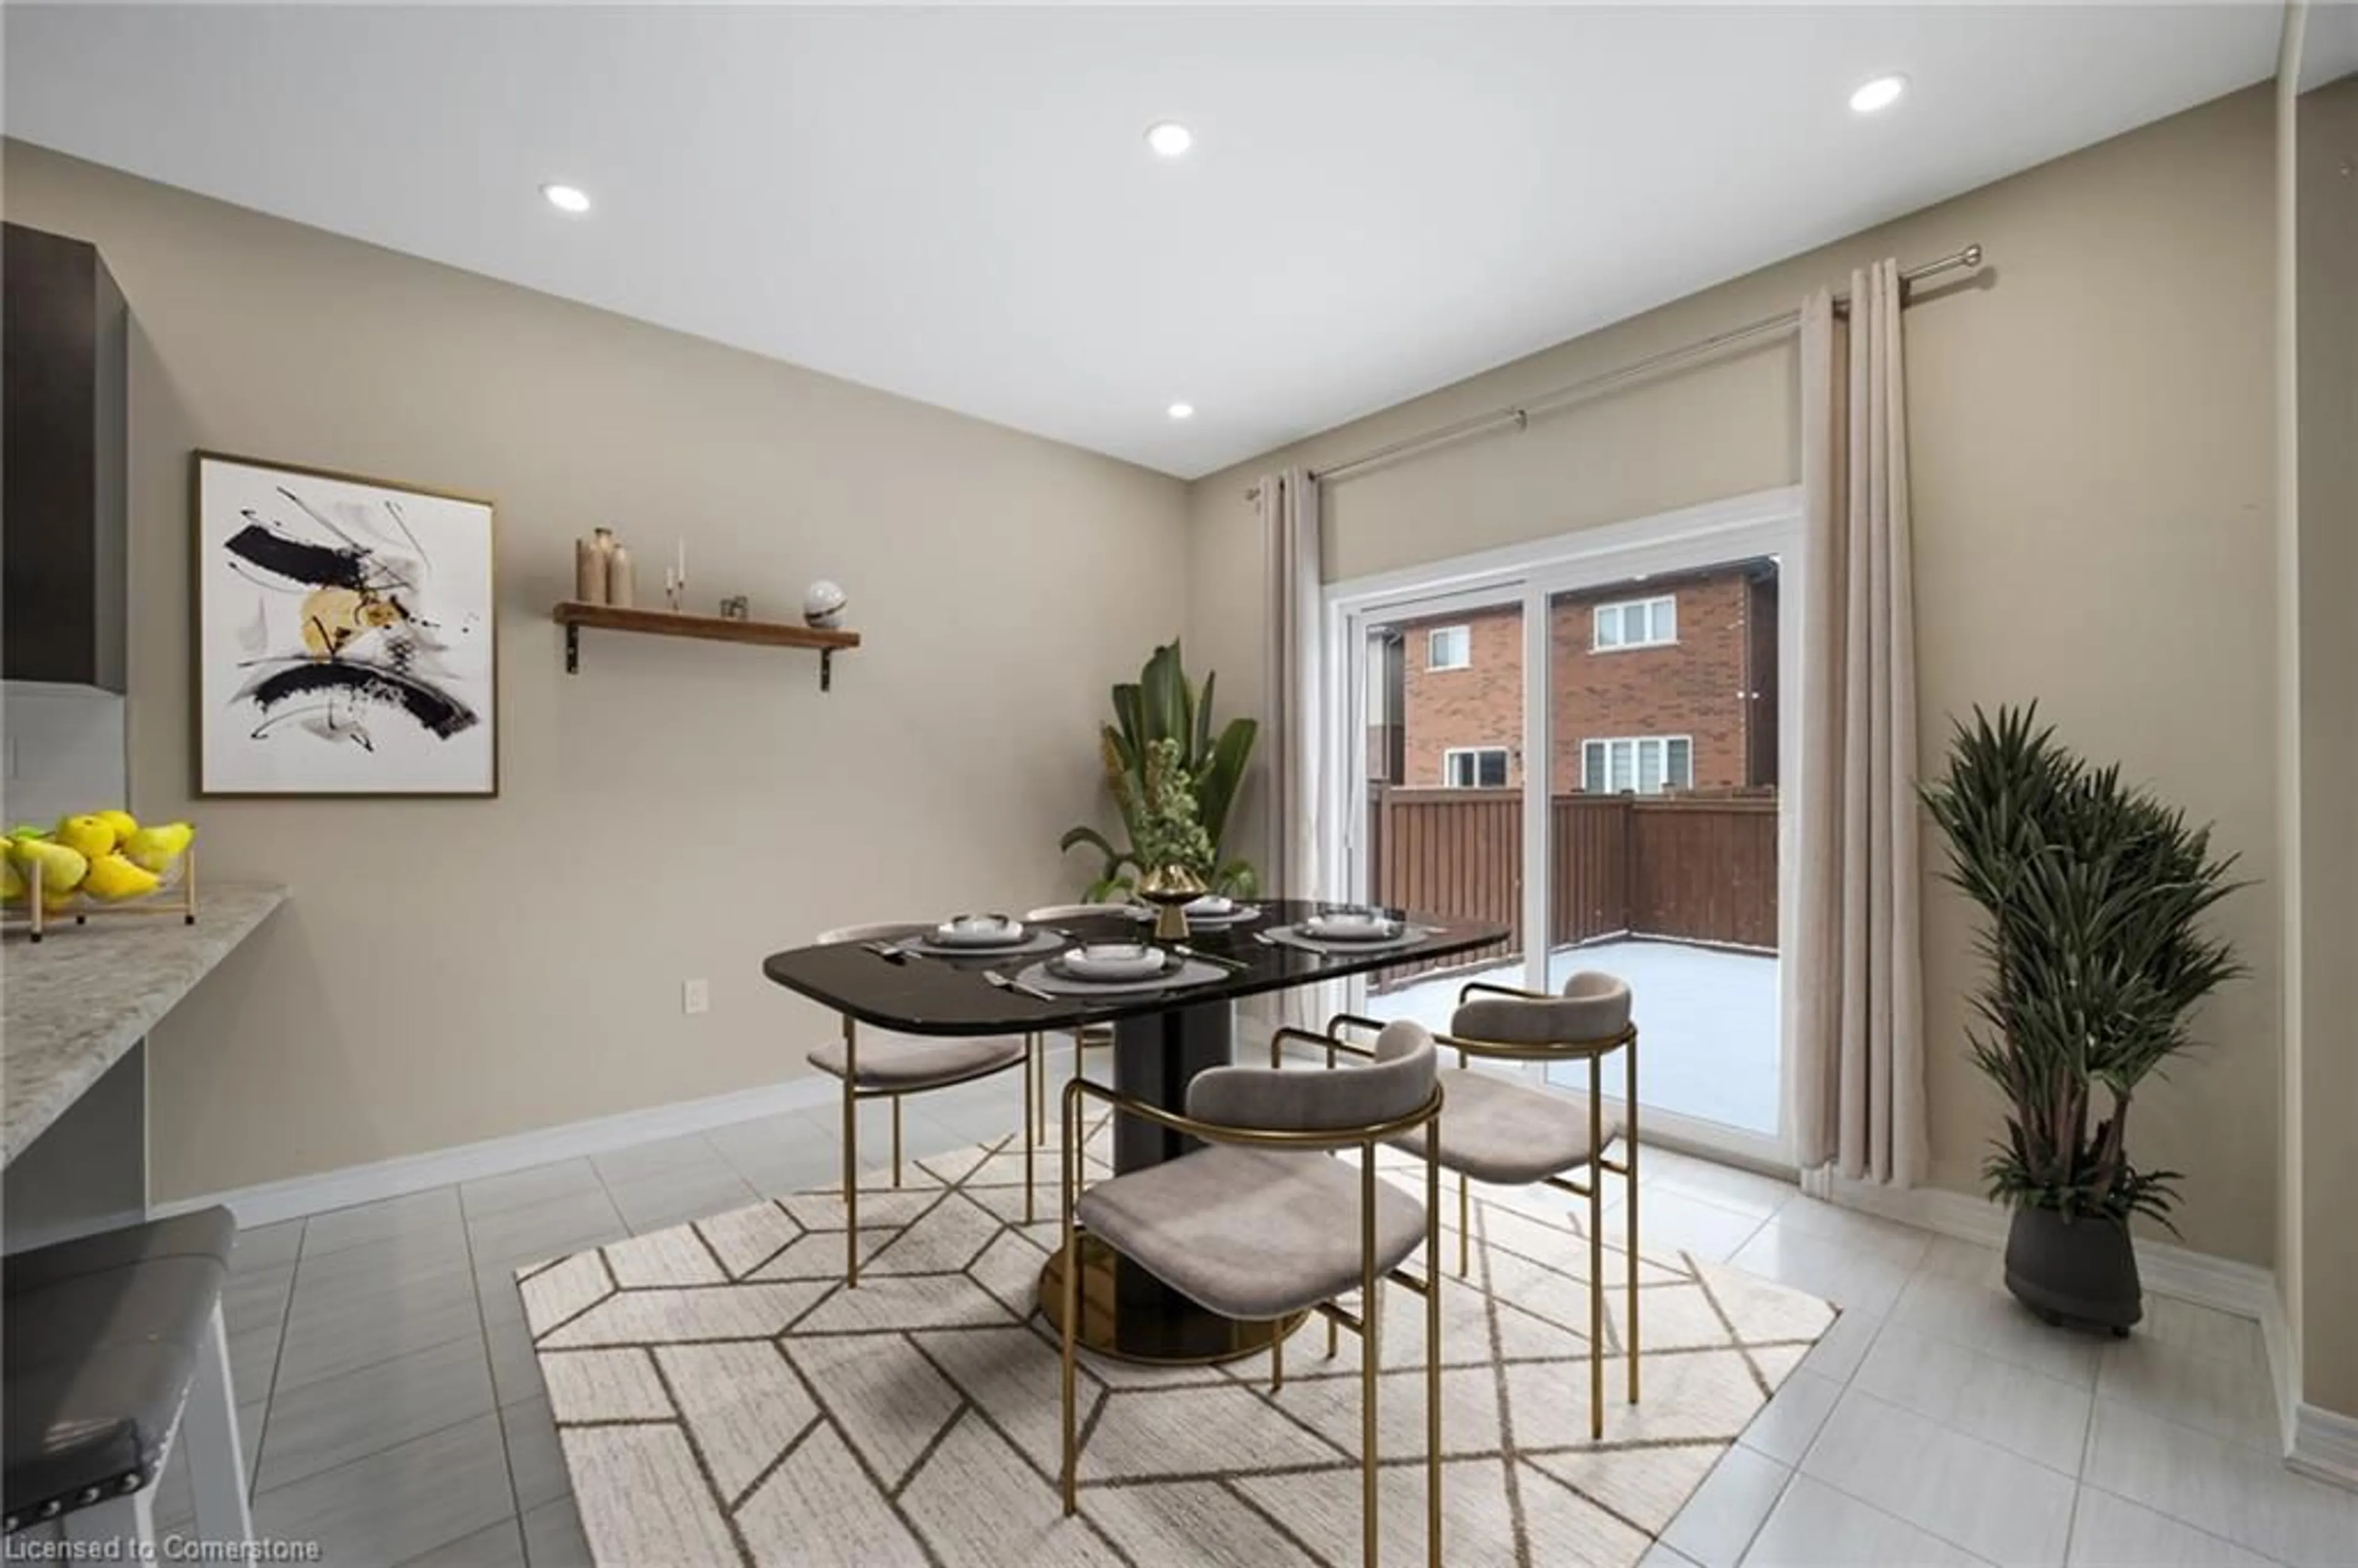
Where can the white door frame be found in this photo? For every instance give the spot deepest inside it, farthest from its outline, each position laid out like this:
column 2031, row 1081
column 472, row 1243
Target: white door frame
column 1765, row 522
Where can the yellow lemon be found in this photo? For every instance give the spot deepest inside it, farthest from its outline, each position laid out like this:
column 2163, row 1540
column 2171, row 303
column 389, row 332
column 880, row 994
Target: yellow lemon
column 155, row 848
column 110, row 877
column 122, row 821
column 86, row 836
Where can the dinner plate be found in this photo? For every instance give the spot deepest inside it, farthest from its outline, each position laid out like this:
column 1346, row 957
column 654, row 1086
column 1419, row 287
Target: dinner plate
column 979, row 931
column 1110, row 961
column 1351, row 928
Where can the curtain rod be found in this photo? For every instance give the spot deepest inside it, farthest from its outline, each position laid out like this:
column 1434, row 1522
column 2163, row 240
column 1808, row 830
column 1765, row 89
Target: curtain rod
column 1519, row 415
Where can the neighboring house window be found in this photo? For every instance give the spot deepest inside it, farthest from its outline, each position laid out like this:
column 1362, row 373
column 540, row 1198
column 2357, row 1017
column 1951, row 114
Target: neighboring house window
column 1636, row 623
column 1449, row 648
column 1473, row 767
column 1646, row 764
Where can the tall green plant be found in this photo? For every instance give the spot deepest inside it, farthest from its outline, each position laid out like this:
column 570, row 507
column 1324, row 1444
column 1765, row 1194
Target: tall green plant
column 1165, row 765
column 2092, row 894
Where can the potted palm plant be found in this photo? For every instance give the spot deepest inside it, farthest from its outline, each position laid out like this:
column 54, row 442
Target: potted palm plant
column 2092, row 894
column 1173, row 780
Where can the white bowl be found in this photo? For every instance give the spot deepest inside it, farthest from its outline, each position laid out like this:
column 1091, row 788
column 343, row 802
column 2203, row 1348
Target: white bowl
column 1110, row 961
column 979, row 931
column 1351, row 925
column 1213, row 904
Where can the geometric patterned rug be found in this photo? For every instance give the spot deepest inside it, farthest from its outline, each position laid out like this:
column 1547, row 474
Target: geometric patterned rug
column 722, row 1399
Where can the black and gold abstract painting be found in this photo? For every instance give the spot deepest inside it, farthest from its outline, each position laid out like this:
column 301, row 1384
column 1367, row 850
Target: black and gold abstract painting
column 344, row 638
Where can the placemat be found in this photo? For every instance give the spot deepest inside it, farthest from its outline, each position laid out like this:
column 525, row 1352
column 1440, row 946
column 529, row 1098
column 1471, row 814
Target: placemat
column 1293, row 937
column 1242, row 914
column 1191, row 972
column 1040, row 939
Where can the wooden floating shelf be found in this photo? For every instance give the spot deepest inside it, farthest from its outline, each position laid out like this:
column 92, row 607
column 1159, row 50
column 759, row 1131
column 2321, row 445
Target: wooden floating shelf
column 573, row 615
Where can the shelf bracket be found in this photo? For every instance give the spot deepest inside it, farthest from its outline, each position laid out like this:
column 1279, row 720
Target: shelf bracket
column 572, row 649
column 827, row 669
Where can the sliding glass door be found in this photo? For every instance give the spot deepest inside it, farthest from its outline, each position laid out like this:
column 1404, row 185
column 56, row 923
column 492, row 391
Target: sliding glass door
column 1586, row 745
column 1434, row 816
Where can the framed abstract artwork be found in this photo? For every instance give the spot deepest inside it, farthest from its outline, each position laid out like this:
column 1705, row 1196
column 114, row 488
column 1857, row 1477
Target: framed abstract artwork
column 345, row 635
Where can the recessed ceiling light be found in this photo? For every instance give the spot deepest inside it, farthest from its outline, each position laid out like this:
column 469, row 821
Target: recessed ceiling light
column 566, row 198
column 1181, row 411
column 1879, row 94
column 1169, row 138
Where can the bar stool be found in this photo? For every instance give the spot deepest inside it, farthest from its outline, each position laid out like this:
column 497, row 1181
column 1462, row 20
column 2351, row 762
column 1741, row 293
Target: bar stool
column 1509, row 1133
column 891, row 1066
column 114, row 1345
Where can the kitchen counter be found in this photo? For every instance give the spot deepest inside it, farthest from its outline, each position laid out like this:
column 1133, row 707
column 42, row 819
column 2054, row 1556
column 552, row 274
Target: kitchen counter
column 80, row 999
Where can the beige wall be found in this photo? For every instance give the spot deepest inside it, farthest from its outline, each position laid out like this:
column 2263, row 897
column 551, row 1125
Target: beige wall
column 2326, row 1282
column 2091, row 443
column 452, row 972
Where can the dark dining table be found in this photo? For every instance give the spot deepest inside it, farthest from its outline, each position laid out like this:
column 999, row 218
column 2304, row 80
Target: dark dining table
column 1160, row 1041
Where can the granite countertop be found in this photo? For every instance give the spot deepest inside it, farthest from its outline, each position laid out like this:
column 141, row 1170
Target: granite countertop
column 77, row 1000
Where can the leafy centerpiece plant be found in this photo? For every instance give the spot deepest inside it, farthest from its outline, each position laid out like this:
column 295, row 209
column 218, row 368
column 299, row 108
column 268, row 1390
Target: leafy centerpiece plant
column 2092, row 894
column 1173, row 781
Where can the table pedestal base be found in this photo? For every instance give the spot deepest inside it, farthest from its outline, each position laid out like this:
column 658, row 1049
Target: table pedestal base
column 1130, row 1315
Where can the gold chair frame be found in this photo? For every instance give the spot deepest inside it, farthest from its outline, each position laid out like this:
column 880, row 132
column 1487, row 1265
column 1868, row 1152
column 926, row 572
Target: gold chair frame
column 1034, row 1068
column 1593, row 1189
column 1364, row 1322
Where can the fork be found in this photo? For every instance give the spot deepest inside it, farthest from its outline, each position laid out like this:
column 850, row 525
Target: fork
column 1003, row 983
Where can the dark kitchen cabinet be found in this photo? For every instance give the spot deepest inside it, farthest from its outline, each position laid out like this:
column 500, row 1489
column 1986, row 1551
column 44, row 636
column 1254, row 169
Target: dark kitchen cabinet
column 63, row 473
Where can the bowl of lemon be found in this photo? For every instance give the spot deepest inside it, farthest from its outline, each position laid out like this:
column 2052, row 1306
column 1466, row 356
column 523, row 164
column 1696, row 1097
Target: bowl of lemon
column 96, row 863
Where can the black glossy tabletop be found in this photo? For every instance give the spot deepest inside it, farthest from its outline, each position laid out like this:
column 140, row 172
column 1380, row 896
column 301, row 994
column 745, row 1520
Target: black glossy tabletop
column 925, row 995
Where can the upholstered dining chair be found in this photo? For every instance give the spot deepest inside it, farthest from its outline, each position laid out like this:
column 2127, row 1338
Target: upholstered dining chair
column 889, row 1067
column 1086, row 1036
column 1261, row 1225
column 1511, row 1133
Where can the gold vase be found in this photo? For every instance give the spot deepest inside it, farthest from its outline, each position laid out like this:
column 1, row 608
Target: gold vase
column 1171, row 889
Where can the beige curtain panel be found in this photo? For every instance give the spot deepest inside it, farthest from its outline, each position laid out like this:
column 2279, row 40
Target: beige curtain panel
column 1295, row 667
column 1855, row 1001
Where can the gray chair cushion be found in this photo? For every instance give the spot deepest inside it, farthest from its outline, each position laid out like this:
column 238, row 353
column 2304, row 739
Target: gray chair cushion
column 102, row 1337
column 1270, row 1098
column 907, row 1062
column 1592, row 1012
column 1251, row 1233
column 1496, row 1129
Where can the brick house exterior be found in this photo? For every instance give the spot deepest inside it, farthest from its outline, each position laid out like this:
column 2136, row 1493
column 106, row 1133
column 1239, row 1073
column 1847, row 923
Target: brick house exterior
column 1715, row 684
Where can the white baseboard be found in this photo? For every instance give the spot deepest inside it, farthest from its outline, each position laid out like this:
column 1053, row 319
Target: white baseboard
column 2324, row 1444
column 2317, row 1441
column 298, row 1195
column 2198, row 1277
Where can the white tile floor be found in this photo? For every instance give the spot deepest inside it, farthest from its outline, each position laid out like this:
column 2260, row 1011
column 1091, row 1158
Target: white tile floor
column 1710, row 1031
column 393, row 1411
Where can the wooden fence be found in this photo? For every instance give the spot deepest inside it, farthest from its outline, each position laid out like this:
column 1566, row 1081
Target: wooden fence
column 1681, row 868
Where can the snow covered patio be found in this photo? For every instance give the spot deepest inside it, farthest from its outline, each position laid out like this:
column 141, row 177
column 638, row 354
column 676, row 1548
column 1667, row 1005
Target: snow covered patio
column 1706, row 1020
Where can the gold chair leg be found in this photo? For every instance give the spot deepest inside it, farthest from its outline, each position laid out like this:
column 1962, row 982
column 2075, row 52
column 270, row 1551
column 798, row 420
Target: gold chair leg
column 1371, row 1355
column 1630, row 1158
column 1034, row 1070
column 1277, row 1358
column 1037, row 1091
column 896, row 1140
column 1465, row 1230
column 1433, row 1364
column 1596, row 1251
column 1071, row 1282
column 850, row 1158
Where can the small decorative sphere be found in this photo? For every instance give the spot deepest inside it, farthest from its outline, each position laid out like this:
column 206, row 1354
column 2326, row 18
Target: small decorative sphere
column 823, row 605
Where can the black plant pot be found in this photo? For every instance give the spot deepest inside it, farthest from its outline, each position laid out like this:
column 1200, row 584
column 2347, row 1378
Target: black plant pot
column 2078, row 1270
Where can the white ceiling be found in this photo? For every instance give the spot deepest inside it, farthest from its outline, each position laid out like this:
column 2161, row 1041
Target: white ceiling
column 958, row 206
